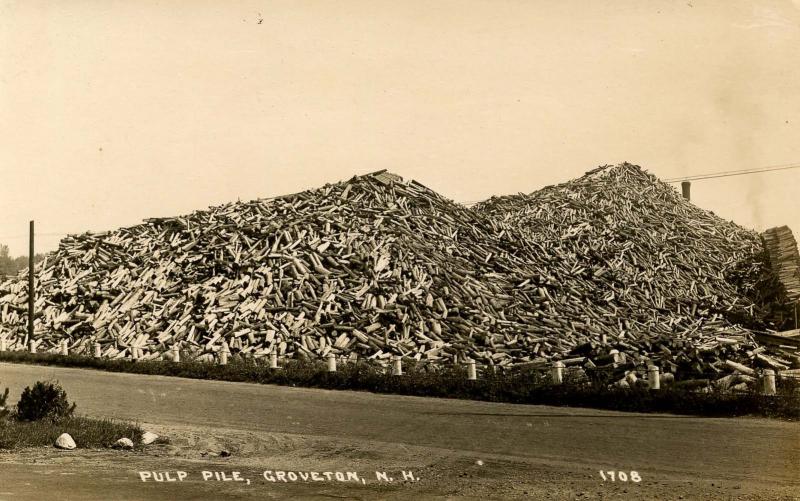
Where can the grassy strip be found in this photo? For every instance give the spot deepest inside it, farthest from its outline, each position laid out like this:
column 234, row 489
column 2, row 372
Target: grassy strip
column 87, row 432
column 518, row 386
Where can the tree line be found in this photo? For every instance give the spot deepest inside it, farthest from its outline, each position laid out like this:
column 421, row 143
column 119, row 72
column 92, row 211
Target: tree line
column 10, row 266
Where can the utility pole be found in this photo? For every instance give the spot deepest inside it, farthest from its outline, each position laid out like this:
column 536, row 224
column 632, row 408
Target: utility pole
column 31, row 291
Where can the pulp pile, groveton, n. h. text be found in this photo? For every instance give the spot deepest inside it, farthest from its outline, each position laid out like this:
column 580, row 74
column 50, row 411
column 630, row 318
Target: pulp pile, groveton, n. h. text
column 377, row 266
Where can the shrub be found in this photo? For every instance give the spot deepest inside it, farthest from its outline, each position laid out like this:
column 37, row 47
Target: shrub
column 46, row 400
column 3, row 406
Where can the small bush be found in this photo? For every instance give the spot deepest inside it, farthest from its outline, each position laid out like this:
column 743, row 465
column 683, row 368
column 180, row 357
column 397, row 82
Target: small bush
column 4, row 411
column 46, row 400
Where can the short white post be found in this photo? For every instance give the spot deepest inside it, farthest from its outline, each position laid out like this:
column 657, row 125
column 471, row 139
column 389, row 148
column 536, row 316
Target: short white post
column 653, row 378
column 331, row 362
column 223, row 354
column 97, row 350
column 557, row 372
column 273, row 359
column 398, row 366
column 176, row 354
column 64, row 347
column 3, row 344
column 134, row 353
column 769, row 382
column 471, row 373
column 32, row 345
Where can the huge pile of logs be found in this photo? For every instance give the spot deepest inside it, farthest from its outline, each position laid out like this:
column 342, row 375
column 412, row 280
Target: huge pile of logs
column 625, row 255
column 612, row 268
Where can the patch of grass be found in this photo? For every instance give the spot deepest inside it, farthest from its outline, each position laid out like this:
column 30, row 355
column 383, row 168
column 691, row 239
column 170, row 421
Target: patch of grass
column 87, row 432
column 520, row 385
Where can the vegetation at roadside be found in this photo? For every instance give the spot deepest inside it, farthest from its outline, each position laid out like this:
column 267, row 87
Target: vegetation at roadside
column 520, row 385
column 43, row 413
column 87, row 432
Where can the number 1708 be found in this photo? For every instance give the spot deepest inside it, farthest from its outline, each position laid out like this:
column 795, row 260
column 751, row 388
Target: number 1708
column 613, row 476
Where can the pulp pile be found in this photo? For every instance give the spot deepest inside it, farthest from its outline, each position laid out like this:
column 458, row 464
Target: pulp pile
column 377, row 266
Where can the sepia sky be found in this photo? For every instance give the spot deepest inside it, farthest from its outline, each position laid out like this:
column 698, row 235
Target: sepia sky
column 115, row 111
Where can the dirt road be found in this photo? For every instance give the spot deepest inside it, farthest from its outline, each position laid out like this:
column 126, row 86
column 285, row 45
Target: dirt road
column 452, row 447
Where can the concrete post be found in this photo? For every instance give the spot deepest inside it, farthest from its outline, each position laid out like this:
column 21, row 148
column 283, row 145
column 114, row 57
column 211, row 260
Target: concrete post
column 273, row 360
column 3, row 344
column 769, row 382
column 398, row 366
column 32, row 345
column 97, row 350
column 471, row 373
column 653, row 378
column 557, row 372
column 176, row 354
column 64, row 347
column 223, row 354
column 331, row 362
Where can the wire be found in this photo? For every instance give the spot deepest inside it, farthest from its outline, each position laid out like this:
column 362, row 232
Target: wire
column 21, row 235
column 742, row 172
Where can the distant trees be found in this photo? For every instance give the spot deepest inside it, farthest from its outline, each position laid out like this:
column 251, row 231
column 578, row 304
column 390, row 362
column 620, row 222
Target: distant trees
column 10, row 266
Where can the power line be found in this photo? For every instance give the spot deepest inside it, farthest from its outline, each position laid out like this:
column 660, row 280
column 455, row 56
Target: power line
column 37, row 234
column 742, row 172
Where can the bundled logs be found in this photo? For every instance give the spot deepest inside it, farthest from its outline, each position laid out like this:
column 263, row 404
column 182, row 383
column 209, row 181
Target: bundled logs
column 784, row 259
column 608, row 270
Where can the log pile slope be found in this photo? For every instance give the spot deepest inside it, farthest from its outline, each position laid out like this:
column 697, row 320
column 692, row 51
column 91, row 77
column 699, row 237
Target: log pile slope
column 624, row 254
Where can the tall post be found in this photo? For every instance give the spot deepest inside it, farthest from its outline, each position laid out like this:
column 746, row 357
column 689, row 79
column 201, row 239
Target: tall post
column 31, row 291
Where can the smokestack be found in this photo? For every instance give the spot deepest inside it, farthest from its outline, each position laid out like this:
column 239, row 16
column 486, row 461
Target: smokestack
column 686, row 186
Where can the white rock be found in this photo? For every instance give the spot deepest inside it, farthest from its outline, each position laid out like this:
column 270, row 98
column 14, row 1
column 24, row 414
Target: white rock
column 149, row 437
column 64, row 441
column 123, row 443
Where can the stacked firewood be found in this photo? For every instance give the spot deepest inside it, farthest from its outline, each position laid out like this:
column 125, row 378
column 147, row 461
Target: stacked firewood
column 612, row 268
column 784, row 259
